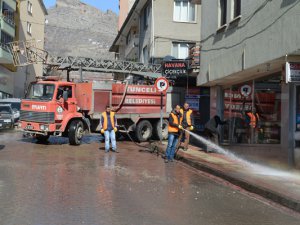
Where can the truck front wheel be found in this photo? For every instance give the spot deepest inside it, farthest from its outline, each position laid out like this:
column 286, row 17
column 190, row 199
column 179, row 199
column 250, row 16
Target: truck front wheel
column 76, row 132
column 143, row 131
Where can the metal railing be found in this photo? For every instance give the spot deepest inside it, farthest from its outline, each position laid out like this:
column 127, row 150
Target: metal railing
column 25, row 53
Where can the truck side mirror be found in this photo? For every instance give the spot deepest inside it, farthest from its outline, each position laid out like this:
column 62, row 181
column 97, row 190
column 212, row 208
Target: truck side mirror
column 65, row 95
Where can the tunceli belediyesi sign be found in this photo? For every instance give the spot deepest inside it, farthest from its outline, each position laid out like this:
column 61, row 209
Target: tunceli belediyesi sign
column 175, row 68
column 292, row 71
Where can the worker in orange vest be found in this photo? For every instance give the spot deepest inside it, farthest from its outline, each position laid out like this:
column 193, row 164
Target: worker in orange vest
column 109, row 129
column 187, row 124
column 175, row 120
column 253, row 118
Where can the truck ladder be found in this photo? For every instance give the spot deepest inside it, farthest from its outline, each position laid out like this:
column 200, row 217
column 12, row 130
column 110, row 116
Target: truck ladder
column 26, row 53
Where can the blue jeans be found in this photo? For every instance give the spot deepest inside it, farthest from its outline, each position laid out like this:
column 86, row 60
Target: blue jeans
column 110, row 136
column 172, row 142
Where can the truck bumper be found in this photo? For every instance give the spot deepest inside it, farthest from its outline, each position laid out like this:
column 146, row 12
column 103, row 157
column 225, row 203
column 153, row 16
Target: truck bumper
column 37, row 128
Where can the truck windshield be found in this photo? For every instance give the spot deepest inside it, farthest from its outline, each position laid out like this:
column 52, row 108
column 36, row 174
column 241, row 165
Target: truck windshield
column 5, row 109
column 41, row 92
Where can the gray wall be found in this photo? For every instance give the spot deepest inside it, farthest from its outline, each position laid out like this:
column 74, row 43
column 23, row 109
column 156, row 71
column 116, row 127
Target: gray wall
column 267, row 30
column 166, row 29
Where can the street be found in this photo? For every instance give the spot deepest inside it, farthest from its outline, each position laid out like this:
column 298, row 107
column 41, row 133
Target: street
column 62, row 184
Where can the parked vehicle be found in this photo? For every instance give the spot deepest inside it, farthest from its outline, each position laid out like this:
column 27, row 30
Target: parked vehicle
column 15, row 104
column 70, row 109
column 6, row 117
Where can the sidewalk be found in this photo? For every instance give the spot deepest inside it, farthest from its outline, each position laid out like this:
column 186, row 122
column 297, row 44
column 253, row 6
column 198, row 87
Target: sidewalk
column 282, row 187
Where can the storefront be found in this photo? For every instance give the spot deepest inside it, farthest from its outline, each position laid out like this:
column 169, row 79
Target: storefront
column 253, row 111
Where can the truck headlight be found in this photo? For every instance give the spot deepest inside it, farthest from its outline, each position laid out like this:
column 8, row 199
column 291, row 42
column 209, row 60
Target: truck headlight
column 44, row 127
column 59, row 110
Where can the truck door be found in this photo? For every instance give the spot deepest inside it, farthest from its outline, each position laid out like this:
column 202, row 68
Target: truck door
column 70, row 105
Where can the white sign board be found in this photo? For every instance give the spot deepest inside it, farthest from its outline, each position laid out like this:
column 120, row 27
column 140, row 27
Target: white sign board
column 292, row 72
column 246, row 90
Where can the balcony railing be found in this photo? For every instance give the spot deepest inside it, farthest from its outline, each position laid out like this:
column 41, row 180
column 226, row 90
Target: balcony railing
column 8, row 20
column 4, row 46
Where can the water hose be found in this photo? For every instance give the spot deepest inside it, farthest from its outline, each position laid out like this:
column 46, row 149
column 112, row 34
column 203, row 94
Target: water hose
column 151, row 149
column 123, row 98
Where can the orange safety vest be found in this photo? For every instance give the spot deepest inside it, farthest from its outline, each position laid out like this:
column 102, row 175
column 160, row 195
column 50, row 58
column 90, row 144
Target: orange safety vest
column 188, row 116
column 112, row 119
column 253, row 119
column 175, row 121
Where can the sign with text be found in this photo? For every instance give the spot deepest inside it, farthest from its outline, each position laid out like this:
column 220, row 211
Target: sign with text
column 292, row 71
column 175, row 68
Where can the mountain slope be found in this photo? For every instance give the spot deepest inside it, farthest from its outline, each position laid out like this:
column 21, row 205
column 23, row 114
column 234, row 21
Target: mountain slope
column 77, row 29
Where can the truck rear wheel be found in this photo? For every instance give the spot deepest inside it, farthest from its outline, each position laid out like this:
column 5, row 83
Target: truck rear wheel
column 157, row 129
column 143, row 131
column 76, row 132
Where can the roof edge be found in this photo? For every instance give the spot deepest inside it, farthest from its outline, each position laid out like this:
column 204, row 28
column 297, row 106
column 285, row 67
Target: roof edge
column 113, row 47
column 43, row 7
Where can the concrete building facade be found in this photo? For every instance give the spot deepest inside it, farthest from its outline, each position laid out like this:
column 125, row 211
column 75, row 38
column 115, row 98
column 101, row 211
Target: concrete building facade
column 8, row 33
column 26, row 23
column 153, row 30
column 245, row 47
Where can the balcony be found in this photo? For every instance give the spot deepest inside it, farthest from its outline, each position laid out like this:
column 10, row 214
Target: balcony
column 12, row 4
column 5, row 56
column 8, row 25
column 131, row 46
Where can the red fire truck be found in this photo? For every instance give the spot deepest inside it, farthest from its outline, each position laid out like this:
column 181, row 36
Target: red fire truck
column 70, row 109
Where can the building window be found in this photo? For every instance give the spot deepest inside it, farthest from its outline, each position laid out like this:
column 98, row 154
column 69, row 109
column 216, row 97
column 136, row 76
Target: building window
column 29, row 7
column 180, row 50
column 6, row 38
column 184, row 11
column 222, row 12
column 29, row 28
column 236, row 8
column 146, row 17
column 128, row 38
column 145, row 55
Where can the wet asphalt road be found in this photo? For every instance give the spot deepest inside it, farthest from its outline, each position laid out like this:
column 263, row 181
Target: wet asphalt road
column 58, row 184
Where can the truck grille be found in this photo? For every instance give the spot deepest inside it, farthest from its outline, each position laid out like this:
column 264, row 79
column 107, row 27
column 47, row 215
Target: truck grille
column 40, row 117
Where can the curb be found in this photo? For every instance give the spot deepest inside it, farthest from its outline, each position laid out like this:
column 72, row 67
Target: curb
column 261, row 191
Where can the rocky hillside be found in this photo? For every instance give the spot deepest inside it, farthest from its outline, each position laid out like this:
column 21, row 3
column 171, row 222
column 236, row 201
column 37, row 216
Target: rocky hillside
column 77, row 29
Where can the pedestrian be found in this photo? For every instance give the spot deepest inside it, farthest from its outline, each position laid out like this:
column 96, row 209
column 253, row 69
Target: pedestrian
column 175, row 120
column 211, row 130
column 109, row 129
column 187, row 124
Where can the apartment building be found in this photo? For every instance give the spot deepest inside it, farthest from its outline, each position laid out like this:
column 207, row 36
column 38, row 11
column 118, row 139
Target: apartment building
column 153, row 30
column 247, row 50
column 125, row 7
column 7, row 34
column 21, row 20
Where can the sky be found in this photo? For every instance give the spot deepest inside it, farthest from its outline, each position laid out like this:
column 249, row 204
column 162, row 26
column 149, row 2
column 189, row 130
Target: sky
column 100, row 4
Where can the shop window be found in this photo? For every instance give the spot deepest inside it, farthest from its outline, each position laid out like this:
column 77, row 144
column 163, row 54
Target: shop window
column 184, row 11
column 254, row 112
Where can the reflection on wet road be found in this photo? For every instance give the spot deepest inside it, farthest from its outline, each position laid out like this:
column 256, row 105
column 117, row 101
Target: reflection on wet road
column 62, row 184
